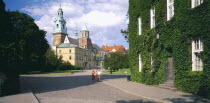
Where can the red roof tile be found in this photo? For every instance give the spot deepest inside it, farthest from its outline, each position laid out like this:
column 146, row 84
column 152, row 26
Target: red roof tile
column 118, row 48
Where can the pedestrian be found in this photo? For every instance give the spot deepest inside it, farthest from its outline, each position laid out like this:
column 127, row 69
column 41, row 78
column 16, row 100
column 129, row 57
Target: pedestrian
column 99, row 75
column 93, row 75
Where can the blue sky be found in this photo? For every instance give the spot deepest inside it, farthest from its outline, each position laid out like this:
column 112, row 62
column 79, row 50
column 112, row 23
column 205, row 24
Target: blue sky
column 104, row 18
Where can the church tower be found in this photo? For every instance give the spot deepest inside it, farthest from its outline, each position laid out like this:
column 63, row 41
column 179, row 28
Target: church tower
column 59, row 30
column 76, row 34
column 85, row 41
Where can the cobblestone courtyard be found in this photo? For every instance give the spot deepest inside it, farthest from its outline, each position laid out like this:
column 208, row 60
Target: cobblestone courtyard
column 77, row 88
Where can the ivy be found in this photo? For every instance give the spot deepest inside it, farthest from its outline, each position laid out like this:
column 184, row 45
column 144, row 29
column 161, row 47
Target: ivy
column 175, row 41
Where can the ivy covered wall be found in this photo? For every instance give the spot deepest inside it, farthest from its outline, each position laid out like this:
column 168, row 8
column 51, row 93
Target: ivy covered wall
column 175, row 41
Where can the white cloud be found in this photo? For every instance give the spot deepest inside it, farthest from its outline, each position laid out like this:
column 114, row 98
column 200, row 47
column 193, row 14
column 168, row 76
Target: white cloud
column 104, row 18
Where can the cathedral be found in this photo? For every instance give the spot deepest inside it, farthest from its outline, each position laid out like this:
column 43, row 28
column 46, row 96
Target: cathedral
column 77, row 50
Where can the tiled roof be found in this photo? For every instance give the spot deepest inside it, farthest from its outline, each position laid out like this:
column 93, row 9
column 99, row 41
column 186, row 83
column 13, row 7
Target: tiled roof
column 97, row 47
column 118, row 48
column 73, row 41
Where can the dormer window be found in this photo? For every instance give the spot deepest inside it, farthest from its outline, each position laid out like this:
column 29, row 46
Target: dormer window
column 195, row 3
column 152, row 17
column 170, row 9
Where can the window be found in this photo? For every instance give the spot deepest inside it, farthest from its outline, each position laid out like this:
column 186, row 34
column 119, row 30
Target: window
column 59, row 51
column 140, row 63
column 63, row 27
column 139, row 25
column 195, row 3
column 170, row 9
column 69, row 57
column 152, row 17
column 57, row 25
column 151, row 63
column 70, row 51
column 198, row 45
column 197, row 48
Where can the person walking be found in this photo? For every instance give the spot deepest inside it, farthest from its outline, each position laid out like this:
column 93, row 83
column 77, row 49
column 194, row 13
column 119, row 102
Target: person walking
column 93, row 75
column 99, row 75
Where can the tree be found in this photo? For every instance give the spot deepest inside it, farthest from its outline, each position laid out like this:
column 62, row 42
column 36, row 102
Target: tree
column 22, row 47
column 30, row 43
column 52, row 61
column 116, row 61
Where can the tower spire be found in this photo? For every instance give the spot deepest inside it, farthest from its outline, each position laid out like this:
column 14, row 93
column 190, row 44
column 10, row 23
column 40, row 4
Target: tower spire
column 75, row 33
column 84, row 28
column 60, row 23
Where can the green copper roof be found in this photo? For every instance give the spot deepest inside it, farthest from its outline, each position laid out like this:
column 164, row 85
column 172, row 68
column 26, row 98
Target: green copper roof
column 67, row 45
column 84, row 28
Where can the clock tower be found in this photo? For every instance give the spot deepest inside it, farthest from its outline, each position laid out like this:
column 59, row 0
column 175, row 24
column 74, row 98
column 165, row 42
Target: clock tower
column 59, row 30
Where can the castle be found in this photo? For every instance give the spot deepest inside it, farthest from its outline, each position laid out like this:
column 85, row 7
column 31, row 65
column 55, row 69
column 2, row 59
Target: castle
column 78, row 50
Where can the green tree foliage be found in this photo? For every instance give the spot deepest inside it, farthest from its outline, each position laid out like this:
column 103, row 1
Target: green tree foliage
column 52, row 61
column 22, row 47
column 30, row 41
column 55, row 63
column 7, row 56
column 175, row 41
column 116, row 61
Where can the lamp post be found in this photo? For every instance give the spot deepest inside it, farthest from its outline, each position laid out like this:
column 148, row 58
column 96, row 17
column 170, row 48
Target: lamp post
column 110, row 70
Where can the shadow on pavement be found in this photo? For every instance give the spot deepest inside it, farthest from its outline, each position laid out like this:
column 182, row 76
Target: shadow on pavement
column 134, row 101
column 191, row 97
column 46, row 83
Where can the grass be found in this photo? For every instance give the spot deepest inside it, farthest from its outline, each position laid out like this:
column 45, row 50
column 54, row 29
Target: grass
column 121, row 71
column 53, row 73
